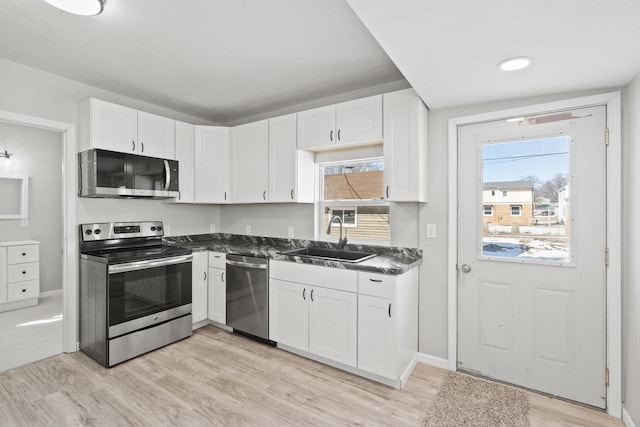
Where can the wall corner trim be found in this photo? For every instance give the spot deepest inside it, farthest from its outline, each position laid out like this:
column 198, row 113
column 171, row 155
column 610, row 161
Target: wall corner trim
column 628, row 421
column 438, row 362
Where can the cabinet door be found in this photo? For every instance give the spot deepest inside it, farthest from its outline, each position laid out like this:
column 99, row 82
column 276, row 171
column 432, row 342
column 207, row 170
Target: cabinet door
column 250, row 162
column 316, row 128
column 333, row 321
column 211, row 164
column 113, row 127
column 282, row 159
column 359, row 120
column 289, row 313
column 377, row 336
column 217, row 295
column 156, row 136
column 199, row 290
column 3, row 275
column 185, row 155
column 405, row 147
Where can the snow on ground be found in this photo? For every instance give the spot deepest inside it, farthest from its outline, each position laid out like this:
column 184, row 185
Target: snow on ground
column 534, row 249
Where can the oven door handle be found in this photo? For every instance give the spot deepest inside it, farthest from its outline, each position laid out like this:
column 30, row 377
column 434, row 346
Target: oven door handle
column 151, row 263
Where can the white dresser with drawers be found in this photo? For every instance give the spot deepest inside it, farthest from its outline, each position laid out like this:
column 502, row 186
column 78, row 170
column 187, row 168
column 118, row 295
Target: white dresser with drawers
column 19, row 274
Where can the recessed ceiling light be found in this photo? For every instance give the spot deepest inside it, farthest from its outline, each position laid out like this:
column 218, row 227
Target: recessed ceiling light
column 515, row 119
column 517, row 63
column 79, row 7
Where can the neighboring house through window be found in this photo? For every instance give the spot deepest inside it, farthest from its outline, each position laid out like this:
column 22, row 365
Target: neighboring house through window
column 354, row 191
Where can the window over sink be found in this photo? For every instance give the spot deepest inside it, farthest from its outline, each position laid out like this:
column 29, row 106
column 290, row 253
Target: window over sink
column 354, row 191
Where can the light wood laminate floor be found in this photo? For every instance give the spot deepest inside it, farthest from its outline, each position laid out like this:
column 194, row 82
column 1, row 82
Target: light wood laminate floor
column 217, row 378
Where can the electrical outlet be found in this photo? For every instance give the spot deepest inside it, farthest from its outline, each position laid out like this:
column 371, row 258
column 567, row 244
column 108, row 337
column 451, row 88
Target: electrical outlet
column 167, row 230
column 247, row 229
column 24, row 222
column 431, row 231
column 212, row 228
column 290, row 232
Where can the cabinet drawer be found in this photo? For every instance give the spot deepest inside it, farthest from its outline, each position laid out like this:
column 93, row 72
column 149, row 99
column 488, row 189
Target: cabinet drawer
column 315, row 275
column 18, row 291
column 217, row 259
column 23, row 272
column 20, row 254
column 377, row 285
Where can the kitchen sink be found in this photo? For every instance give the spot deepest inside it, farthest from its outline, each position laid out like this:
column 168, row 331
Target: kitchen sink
column 331, row 254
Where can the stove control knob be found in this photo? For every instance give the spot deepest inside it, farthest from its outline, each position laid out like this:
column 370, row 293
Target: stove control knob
column 159, row 228
column 88, row 232
column 97, row 231
column 153, row 228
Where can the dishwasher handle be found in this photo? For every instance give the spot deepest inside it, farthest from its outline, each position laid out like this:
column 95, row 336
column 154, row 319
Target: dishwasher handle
column 247, row 265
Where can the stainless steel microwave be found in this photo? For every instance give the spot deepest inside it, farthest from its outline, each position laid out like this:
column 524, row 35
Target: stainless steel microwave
column 111, row 174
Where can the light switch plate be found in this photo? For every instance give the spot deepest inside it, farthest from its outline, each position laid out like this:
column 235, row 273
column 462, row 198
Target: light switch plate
column 431, row 231
column 290, row 232
column 167, row 230
column 212, row 228
column 247, row 229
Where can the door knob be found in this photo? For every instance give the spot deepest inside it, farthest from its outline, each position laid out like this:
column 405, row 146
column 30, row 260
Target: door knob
column 465, row 268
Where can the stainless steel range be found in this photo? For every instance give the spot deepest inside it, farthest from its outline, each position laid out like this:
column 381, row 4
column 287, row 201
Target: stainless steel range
column 135, row 294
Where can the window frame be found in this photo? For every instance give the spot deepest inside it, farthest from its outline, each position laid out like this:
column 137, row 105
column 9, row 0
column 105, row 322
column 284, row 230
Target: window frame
column 519, row 210
column 484, row 210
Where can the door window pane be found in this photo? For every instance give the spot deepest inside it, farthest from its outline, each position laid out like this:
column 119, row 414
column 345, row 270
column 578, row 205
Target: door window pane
column 528, row 185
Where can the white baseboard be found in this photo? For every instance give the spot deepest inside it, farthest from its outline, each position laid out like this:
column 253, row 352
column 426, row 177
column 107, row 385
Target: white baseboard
column 433, row 360
column 51, row 293
column 628, row 421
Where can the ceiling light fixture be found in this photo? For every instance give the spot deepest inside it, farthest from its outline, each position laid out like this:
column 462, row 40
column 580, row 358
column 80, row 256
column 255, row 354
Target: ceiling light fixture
column 79, row 7
column 515, row 119
column 514, row 64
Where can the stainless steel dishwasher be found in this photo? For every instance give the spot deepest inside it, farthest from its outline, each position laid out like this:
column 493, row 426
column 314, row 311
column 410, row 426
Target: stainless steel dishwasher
column 248, row 295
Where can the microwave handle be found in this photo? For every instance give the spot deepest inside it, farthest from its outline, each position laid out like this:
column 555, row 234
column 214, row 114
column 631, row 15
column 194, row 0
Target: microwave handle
column 167, row 175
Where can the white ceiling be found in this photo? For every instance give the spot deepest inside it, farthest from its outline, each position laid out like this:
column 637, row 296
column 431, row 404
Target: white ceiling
column 221, row 60
column 448, row 50
column 227, row 60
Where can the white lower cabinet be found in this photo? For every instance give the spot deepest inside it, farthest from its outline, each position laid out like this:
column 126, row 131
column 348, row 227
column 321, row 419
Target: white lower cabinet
column 368, row 321
column 317, row 313
column 333, row 325
column 387, row 323
column 289, row 313
column 377, row 335
column 217, row 288
column 199, row 288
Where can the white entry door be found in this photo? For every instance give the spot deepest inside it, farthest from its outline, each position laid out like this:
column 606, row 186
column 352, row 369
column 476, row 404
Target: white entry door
column 531, row 252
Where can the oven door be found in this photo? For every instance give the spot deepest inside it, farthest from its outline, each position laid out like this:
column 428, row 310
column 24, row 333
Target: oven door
column 144, row 293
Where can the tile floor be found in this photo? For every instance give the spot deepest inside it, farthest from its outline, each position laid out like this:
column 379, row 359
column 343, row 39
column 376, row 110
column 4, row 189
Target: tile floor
column 32, row 333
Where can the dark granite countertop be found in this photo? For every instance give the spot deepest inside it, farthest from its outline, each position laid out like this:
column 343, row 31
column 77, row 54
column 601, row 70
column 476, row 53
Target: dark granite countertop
column 390, row 260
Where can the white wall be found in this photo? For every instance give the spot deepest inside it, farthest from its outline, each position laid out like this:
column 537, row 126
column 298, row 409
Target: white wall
column 38, row 154
column 32, row 92
column 433, row 272
column 631, row 250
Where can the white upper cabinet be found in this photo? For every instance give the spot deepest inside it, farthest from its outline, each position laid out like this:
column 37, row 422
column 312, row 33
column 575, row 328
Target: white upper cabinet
column 316, row 128
column 405, row 147
column 107, row 126
column 348, row 123
column 291, row 171
column 156, row 136
column 185, row 155
column 117, row 128
column 249, row 155
column 359, row 120
column 211, row 164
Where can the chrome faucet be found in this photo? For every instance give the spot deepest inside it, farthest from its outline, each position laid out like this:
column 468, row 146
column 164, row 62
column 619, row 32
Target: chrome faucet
column 341, row 242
